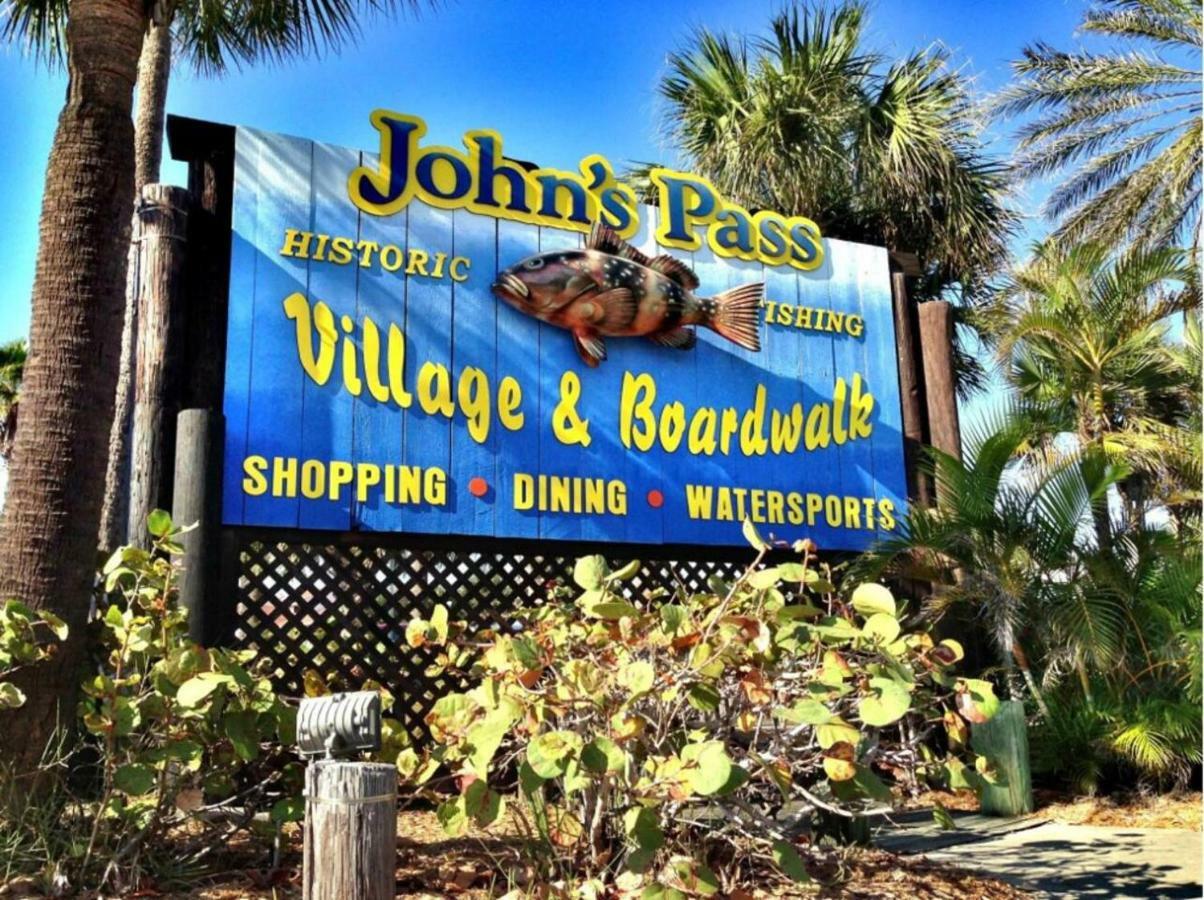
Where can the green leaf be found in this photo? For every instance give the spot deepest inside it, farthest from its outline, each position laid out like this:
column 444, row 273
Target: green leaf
column 482, row 804
column 603, row 755
column 873, row 598
column 703, row 697
column 672, row 617
column 529, row 781
column 888, row 702
column 791, row 571
column 713, row 767
column 550, row 752
column 158, row 523
column 626, row 573
column 134, row 779
column 290, row 809
column 56, row 625
column 804, row 712
column 976, row 700
column 613, row 609
column 11, row 696
column 764, row 578
column 788, row 861
column 834, row 731
column 753, row 536
column 695, row 877
column 243, row 731
column 941, row 816
column 590, row 572
column 641, row 825
column 882, row 628
column 638, row 677
column 485, row 737
column 661, row 892
column 196, row 690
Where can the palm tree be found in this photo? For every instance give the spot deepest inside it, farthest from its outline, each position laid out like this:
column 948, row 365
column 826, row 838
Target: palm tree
column 1083, row 337
column 12, row 363
column 809, row 121
column 56, row 477
column 211, row 36
column 1124, row 124
column 58, row 472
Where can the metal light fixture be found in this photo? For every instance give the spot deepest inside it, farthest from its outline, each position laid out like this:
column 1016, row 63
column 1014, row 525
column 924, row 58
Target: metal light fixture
column 339, row 724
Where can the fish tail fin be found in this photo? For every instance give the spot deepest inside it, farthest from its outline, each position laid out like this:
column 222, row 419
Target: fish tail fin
column 736, row 314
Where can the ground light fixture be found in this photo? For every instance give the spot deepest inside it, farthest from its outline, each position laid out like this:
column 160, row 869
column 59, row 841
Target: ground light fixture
column 339, row 725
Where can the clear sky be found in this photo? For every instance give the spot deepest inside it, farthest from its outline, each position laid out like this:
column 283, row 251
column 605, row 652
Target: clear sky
column 558, row 80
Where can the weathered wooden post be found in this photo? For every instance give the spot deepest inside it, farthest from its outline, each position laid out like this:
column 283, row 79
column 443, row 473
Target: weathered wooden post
column 940, row 381
column 1004, row 740
column 195, row 500
column 163, row 214
column 350, row 807
column 911, row 393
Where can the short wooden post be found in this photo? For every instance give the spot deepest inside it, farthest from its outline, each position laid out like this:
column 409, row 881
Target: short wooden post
column 940, row 382
column 350, row 831
column 910, row 393
column 1003, row 739
column 163, row 213
column 195, row 501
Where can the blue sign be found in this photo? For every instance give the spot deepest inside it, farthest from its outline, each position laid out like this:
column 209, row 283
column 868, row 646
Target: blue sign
column 431, row 340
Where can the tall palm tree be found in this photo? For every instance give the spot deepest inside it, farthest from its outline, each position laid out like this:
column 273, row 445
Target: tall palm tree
column 12, row 364
column 56, row 477
column 809, row 120
column 1122, row 125
column 211, row 37
column 58, row 472
column 1084, row 336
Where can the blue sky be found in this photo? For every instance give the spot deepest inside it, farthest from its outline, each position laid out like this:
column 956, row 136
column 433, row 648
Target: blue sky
column 558, row 80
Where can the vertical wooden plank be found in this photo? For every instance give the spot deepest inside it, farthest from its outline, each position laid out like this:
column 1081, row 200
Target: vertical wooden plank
column 379, row 426
column 907, row 355
column 940, row 380
column 275, row 414
column 821, row 466
column 882, row 379
column 849, row 358
column 726, row 376
column 518, row 346
column 644, row 522
column 557, row 355
column 328, row 409
column 474, row 344
column 243, row 261
column 428, row 331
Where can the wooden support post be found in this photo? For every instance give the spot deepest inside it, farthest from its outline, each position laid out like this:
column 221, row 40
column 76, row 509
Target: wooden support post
column 163, row 211
column 940, row 383
column 350, row 831
column 910, row 390
column 1004, row 740
column 196, row 501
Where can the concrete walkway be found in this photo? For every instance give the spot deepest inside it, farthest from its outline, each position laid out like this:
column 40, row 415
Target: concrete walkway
column 1055, row 860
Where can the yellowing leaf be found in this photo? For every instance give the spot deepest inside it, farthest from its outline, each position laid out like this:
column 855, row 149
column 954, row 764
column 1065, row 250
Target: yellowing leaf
column 873, row 598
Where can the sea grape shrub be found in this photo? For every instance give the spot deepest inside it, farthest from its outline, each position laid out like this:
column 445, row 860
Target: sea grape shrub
column 677, row 742
column 181, row 729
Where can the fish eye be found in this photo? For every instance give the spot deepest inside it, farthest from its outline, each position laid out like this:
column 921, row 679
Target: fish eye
column 534, row 262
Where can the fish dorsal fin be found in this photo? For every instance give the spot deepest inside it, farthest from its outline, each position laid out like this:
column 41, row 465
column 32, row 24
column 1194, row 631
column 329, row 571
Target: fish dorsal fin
column 603, row 239
column 675, row 269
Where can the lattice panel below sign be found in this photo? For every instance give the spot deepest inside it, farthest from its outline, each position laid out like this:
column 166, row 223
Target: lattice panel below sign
column 342, row 610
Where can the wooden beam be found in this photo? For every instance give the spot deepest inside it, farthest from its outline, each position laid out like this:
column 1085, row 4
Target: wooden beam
column 910, row 390
column 163, row 219
column 940, row 383
column 196, row 501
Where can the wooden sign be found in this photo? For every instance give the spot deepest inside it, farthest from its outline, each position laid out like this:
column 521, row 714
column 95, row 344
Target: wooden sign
column 424, row 339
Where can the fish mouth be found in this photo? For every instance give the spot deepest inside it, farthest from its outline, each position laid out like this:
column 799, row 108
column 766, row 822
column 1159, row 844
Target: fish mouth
column 510, row 287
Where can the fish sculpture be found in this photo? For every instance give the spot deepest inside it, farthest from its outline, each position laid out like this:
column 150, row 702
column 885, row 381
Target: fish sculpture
column 611, row 289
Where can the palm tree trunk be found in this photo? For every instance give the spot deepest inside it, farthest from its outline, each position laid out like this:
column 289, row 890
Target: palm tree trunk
column 154, row 69
column 1021, row 659
column 56, row 481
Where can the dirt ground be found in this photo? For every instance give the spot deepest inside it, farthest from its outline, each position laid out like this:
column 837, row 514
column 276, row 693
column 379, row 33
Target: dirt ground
column 430, row 865
column 1181, row 810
